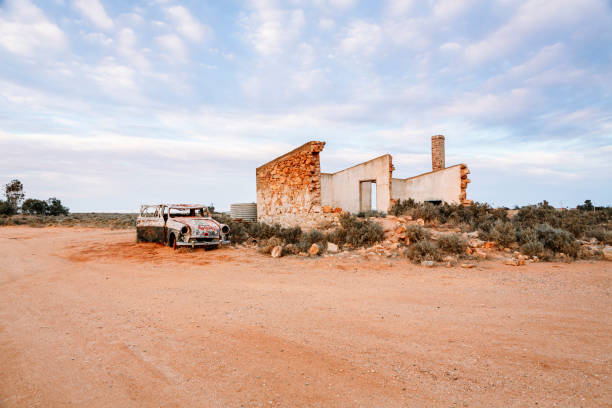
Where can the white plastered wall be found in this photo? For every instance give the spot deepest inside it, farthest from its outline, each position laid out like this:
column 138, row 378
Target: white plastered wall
column 342, row 189
column 443, row 185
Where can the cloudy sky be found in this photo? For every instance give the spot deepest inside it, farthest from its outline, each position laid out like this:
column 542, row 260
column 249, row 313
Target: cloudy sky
column 109, row 104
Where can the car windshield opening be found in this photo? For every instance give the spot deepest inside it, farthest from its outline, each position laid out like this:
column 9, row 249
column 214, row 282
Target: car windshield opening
column 186, row 212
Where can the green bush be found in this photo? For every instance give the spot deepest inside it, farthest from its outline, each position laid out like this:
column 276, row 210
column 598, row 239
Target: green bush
column 6, row 208
column 502, row 233
column 358, row 233
column 416, row 233
column 34, row 206
column 557, row 240
column 423, row 251
column 452, row 243
column 532, row 248
column 601, row 234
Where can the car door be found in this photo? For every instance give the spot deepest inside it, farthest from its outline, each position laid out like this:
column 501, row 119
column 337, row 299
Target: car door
column 150, row 224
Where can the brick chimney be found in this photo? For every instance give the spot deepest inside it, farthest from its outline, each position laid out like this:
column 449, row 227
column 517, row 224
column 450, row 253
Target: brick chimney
column 437, row 152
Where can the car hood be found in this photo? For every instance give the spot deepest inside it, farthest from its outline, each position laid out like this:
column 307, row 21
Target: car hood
column 200, row 226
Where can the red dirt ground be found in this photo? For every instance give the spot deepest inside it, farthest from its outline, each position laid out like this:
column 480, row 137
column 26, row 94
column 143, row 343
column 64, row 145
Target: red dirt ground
column 88, row 318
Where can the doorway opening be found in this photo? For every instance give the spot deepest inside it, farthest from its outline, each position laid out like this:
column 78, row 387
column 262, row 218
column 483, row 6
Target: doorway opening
column 367, row 196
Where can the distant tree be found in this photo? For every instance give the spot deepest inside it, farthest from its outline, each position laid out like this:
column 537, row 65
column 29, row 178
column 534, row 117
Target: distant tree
column 14, row 193
column 587, row 206
column 6, row 208
column 34, row 206
column 55, row 207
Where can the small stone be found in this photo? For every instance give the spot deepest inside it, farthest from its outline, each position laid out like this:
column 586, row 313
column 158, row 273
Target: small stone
column 468, row 251
column 429, row 264
column 607, row 252
column 400, row 230
column 420, row 221
column 337, row 210
column 332, row 248
column 327, row 209
column 314, row 250
column 467, row 266
column 277, row 251
column 511, row 262
column 481, row 255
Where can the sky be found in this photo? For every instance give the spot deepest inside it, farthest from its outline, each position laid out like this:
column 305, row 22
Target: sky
column 108, row 104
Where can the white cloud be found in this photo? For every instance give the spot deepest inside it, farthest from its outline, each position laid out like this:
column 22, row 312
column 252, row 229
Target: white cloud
column 115, row 80
column 94, row 11
column 492, row 106
column 533, row 18
column 451, row 9
column 26, row 31
column 399, row 7
column 187, row 25
column 326, row 23
column 270, row 29
column 98, row 38
column 173, row 46
column 127, row 46
column 361, row 38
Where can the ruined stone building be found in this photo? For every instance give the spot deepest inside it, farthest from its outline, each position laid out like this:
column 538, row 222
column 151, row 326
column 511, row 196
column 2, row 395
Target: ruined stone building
column 291, row 190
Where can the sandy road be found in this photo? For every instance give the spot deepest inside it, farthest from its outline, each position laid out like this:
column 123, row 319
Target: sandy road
column 88, row 318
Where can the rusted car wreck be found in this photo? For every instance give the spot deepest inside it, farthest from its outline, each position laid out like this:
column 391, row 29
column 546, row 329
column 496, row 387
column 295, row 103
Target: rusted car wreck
column 180, row 225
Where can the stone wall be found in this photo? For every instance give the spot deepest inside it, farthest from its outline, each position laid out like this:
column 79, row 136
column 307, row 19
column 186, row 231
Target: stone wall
column 289, row 187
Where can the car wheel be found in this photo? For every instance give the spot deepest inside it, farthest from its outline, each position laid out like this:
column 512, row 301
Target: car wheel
column 172, row 241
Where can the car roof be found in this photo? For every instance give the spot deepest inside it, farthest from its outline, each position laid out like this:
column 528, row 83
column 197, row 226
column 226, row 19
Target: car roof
column 185, row 206
column 177, row 206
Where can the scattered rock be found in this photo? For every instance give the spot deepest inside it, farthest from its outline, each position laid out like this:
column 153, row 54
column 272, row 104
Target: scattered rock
column 420, row 221
column 429, row 264
column 607, row 252
column 476, row 243
column 467, row 265
column 481, row 255
column 277, row 251
column 327, row 209
column 468, row 251
column 314, row 250
column 489, row 244
column 337, row 210
column 511, row 262
column 400, row 230
column 332, row 248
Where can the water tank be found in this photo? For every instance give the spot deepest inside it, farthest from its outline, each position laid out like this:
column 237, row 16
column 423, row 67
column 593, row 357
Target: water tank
column 244, row 211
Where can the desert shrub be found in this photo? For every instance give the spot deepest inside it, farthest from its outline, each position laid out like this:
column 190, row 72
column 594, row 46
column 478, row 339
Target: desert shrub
column 356, row 232
column 532, row 248
column 268, row 245
column 452, row 243
column 502, row 233
column 557, row 240
column 312, row 237
column 290, row 235
column 401, row 207
column 424, row 250
column 601, row 234
column 372, row 213
column 525, row 235
column 416, row 233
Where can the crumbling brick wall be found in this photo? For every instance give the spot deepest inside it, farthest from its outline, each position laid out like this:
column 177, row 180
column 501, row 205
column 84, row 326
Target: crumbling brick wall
column 289, row 187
